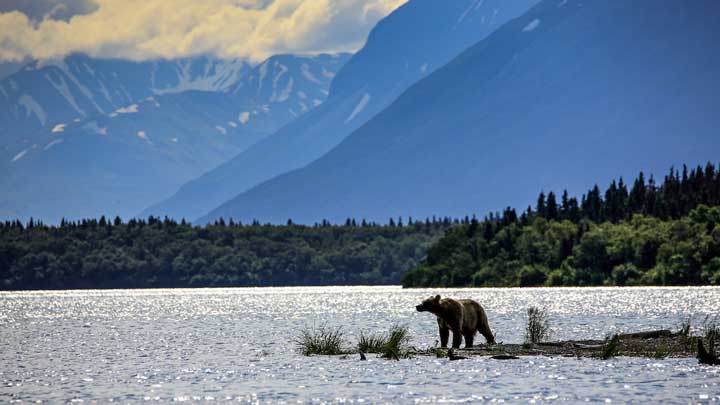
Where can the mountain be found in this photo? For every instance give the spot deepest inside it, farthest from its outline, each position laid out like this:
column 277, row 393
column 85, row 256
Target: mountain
column 7, row 68
column 407, row 45
column 148, row 136
column 570, row 93
column 52, row 92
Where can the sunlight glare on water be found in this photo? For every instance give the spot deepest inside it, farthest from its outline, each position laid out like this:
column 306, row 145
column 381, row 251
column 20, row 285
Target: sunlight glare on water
column 237, row 344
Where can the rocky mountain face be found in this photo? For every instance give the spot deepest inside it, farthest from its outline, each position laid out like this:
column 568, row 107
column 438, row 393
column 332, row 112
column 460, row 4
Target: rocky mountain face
column 406, row 46
column 121, row 134
column 568, row 94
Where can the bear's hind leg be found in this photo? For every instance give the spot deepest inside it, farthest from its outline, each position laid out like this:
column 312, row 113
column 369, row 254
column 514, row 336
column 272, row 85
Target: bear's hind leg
column 457, row 339
column 444, row 336
column 469, row 337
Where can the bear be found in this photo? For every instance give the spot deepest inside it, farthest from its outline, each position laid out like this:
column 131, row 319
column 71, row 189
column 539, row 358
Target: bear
column 463, row 317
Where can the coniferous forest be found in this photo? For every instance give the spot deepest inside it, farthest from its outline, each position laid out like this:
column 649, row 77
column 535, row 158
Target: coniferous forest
column 642, row 233
column 639, row 234
column 157, row 253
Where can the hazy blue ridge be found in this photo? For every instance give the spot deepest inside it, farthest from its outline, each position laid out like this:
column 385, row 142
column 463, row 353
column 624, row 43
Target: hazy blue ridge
column 406, row 46
column 145, row 128
column 567, row 95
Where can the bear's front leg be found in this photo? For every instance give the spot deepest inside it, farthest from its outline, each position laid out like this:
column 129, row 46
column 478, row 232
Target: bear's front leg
column 444, row 336
column 457, row 338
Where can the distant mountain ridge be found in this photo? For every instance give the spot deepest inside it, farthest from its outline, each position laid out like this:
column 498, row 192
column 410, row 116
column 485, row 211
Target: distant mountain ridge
column 570, row 93
column 47, row 93
column 124, row 142
column 410, row 43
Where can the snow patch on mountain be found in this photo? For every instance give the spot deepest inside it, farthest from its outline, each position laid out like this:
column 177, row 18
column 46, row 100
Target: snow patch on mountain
column 285, row 94
column 64, row 91
column 307, row 74
column 32, row 106
column 67, row 72
column 217, row 75
column 19, row 155
column 244, row 117
column 58, row 128
column 131, row 109
column 359, row 107
column 263, row 73
column 53, row 143
column 475, row 6
column 93, row 126
column 328, row 73
column 532, row 26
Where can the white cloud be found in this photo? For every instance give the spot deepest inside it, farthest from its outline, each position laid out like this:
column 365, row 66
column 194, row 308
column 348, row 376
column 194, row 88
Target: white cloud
column 149, row 29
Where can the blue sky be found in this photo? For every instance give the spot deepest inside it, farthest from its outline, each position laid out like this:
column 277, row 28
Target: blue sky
column 151, row 29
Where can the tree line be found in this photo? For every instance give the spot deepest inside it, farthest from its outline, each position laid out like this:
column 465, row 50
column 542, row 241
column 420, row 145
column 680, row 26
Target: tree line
column 646, row 234
column 155, row 253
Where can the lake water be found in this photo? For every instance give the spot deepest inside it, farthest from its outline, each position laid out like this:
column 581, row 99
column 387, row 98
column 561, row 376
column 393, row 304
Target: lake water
column 236, row 345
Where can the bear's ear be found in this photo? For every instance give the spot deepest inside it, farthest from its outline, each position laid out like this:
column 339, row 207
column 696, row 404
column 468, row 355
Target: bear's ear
column 437, row 297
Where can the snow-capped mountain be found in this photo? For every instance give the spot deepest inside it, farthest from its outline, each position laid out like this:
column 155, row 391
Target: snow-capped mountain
column 48, row 93
column 123, row 134
column 284, row 87
column 572, row 92
column 406, row 46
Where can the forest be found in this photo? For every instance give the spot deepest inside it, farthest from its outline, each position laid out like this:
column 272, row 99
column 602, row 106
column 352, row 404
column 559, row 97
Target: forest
column 644, row 234
column 162, row 253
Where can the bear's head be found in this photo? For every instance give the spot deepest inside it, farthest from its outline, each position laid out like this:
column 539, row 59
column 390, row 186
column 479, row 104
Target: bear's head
column 431, row 304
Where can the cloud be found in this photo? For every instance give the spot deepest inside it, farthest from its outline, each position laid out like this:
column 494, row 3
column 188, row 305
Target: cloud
column 151, row 29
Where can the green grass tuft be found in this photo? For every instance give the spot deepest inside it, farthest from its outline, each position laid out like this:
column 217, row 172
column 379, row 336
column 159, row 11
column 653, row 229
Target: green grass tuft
column 371, row 343
column 538, row 326
column 396, row 346
column 322, row 340
column 393, row 345
column 711, row 334
column 661, row 351
column 610, row 348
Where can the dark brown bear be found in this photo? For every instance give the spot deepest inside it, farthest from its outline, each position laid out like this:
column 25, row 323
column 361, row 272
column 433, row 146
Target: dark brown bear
column 462, row 317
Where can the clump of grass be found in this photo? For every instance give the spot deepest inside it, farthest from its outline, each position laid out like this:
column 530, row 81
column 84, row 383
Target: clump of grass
column 321, row 340
column 711, row 335
column 610, row 348
column 538, row 326
column 685, row 328
column 371, row 343
column 393, row 345
column 396, row 346
column 661, row 351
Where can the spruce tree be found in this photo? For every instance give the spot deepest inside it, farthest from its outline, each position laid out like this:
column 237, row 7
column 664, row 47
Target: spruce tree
column 552, row 207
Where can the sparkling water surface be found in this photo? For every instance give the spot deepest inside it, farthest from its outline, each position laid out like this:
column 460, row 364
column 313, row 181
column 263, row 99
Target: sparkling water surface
column 237, row 345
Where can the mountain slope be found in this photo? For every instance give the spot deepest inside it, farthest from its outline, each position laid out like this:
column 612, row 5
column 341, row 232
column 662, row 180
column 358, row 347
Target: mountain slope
column 407, row 45
column 569, row 93
column 48, row 93
column 119, row 161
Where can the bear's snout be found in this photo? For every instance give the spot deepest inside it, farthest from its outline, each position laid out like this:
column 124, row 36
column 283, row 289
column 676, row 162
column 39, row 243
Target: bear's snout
column 419, row 308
